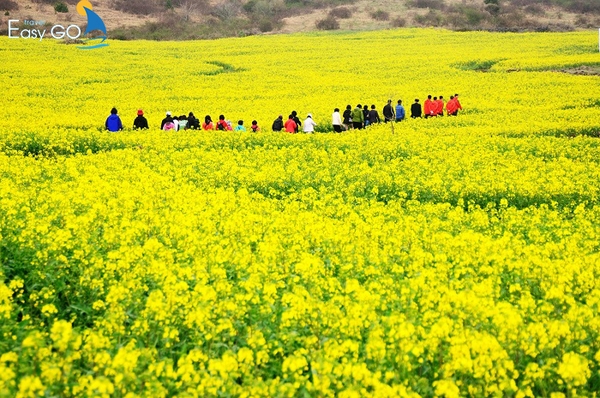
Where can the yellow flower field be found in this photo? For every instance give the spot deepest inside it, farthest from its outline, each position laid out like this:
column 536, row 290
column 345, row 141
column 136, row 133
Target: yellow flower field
column 441, row 257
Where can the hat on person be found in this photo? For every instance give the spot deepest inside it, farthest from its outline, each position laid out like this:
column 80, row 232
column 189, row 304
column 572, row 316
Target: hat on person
column 168, row 113
column 310, row 115
column 140, row 112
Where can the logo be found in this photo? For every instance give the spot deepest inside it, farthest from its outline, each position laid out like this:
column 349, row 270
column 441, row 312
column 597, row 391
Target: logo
column 36, row 29
column 95, row 23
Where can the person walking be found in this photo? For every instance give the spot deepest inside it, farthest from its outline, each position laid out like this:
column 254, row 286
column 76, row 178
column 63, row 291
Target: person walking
column 193, row 122
column 400, row 112
column 457, row 105
column 140, row 121
column 336, row 121
column 222, row 124
column 290, row 125
column 296, row 120
column 428, row 107
column 365, row 110
column 388, row 112
column 277, row 124
column 415, row 110
column 358, row 117
column 348, row 117
column 450, row 106
column 240, row 127
column 374, row 116
column 113, row 122
column 440, row 106
column 208, row 123
column 168, row 118
column 309, row 124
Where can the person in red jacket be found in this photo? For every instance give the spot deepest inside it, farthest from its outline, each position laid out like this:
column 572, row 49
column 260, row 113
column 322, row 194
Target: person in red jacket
column 290, row 125
column 451, row 106
column 428, row 107
column 457, row 104
column 440, row 106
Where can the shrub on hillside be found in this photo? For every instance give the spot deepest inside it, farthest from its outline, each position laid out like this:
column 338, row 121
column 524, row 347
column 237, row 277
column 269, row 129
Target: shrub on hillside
column 432, row 18
column 328, row 23
column 8, row 5
column 266, row 25
column 534, row 9
column 137, row 7
column 226, row 10
column 380, row 15
column 584, row 6
column 61, row 7
column 341, row 12
column 398, row 22
column 431, row 4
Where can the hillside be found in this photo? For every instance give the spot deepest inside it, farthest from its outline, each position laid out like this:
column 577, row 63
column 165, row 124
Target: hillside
column 192, row 19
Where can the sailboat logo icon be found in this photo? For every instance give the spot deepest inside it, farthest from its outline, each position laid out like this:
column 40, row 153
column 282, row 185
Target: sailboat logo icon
column 95, row 23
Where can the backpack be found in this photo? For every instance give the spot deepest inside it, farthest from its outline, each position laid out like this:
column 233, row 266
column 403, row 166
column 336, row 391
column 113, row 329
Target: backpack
column 277, row 125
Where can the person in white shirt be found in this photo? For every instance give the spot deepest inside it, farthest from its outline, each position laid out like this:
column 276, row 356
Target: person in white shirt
column 336, row 121
column 309, row 124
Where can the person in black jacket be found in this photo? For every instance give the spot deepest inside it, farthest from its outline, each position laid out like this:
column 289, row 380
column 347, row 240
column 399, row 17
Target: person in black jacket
column 140, row 121
column 193, row 122
column 347, row 117
column 374, row 116
column 365, row 110
column 297, row 120
column 416, row 110
column 278, row 124
column 388, row 112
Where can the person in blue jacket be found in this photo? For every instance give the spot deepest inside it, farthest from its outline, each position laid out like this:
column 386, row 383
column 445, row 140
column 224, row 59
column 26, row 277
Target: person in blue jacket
column 400, row 112
column 113, row 123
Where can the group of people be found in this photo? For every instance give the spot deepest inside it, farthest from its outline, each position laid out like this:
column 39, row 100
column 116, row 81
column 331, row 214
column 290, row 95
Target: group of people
column 358, row 118
column 176, row 123
column 361, row 116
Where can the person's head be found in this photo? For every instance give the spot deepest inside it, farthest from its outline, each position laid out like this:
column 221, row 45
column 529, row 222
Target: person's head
column 169, row 113
column 254, row 122
column 182, row 117
column 451, row 97
column 280, row 117
column 291, row 116
column 455, row 95
column 389, row 101
column 175, row 118
column 372, row 106
column 140, row 112
column 441, row 97
column 191, row 114
column 416, row 100
column 221, row 117
column 294, row 113
column 113, row 111
column 399, row 102
column 309, row 116
column 359, row 106
column 429, row 97
column 349, row 107
column 207, row 119
column 336, row 110
column 435, row 98
column 365, row 107
column 240, row 122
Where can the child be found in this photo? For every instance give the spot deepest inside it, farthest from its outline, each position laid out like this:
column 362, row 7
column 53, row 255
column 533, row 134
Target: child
column 240, row 127
column 254, row 127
